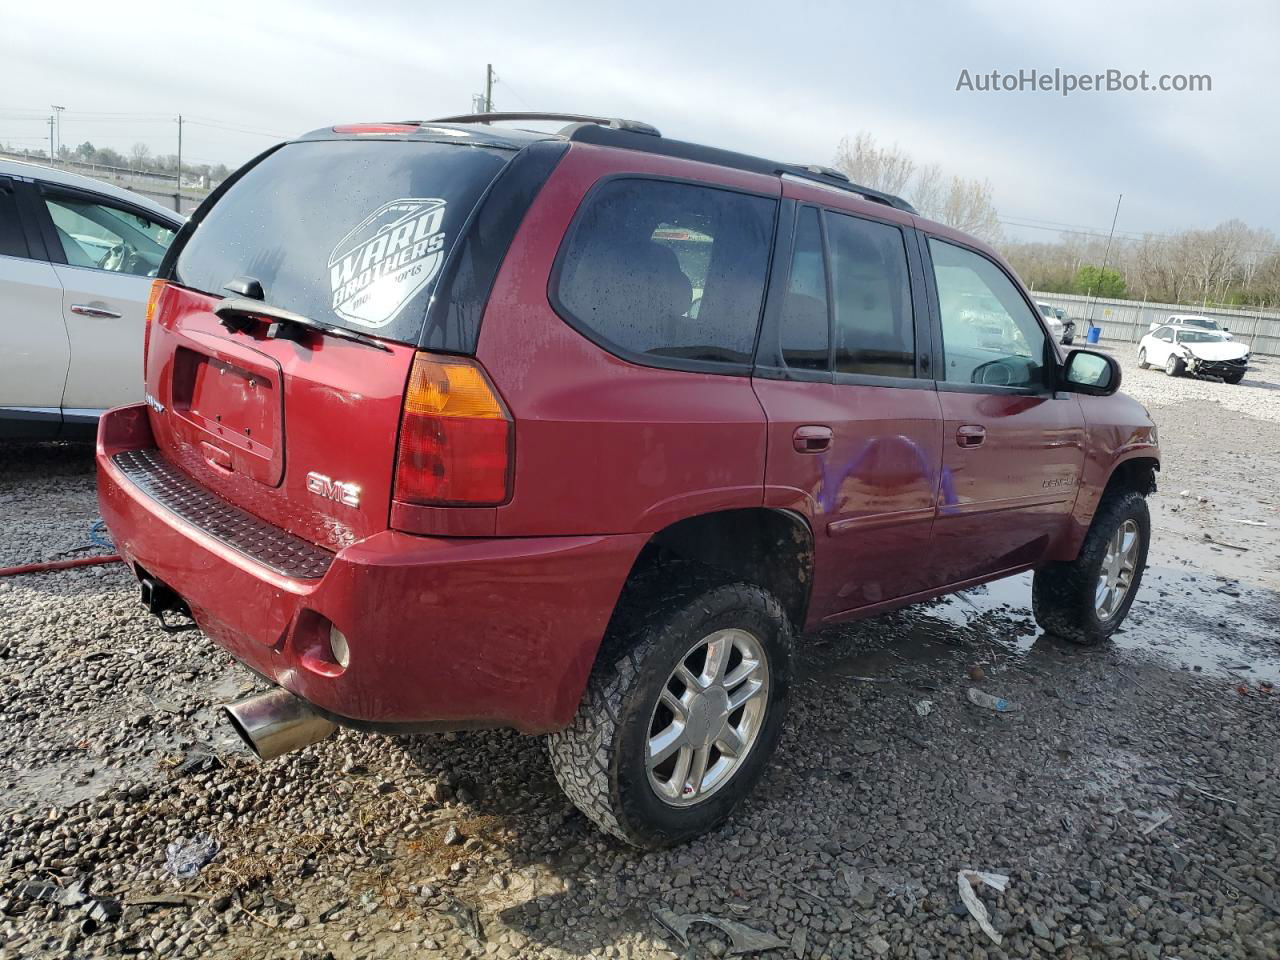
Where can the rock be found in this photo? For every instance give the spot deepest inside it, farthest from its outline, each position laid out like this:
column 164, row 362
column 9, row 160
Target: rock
column 438, row 791
column 879, row 946
column 867, row 746
column 453, row 837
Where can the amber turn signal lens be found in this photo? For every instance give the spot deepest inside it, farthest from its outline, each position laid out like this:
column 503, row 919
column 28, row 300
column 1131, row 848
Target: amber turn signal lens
column 157, row 288
column 448, row 387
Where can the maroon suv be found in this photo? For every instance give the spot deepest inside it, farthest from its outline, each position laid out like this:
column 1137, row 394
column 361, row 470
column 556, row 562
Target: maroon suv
column 449, row 425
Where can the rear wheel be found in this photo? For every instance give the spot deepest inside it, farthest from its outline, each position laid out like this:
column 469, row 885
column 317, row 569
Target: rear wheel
column 1087, row 599
column 1174, row 365
column 1142, row 358
column 680, row 715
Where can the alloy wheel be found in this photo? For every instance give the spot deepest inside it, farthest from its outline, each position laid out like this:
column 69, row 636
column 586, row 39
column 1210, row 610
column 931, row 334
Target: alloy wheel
column 1119, row 565
column 708, row 717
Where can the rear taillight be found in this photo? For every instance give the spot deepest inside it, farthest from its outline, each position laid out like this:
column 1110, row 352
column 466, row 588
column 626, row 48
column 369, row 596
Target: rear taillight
column 455, row 436
column 157, row 288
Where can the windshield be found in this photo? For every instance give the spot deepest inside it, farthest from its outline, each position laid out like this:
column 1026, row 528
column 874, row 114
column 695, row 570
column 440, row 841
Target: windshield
column 1046, row 310
column 1199, row 322
column 1200, row 336
column 352, row 233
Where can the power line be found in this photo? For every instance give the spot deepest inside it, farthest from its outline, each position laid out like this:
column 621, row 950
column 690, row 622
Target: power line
column 234, row 129
column 1157, row 238
column 512, row 90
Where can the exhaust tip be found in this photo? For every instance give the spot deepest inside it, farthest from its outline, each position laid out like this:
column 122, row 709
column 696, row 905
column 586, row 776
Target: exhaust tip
column 276, row 722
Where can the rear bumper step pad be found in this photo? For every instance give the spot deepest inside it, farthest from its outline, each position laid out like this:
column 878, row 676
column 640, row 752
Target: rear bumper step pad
column 240, row 530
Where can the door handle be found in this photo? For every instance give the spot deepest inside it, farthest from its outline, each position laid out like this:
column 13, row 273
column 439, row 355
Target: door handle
column 85, row 310
column 971, row 435
column 811, row 439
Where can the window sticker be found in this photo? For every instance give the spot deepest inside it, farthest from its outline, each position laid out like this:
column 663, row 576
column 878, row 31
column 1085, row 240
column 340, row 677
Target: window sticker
column 386, row 259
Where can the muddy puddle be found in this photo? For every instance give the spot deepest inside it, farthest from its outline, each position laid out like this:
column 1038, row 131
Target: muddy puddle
column 160, row 734
column 1181, row 619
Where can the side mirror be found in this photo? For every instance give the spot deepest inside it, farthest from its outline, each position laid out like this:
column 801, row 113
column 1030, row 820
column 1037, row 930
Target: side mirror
column 1090, row 372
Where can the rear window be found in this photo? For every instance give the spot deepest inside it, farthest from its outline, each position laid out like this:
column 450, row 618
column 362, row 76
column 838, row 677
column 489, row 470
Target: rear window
column 668, row 274
column 348, row 232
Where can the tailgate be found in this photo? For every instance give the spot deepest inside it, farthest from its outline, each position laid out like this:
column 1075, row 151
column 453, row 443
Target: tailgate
column 298, row 427
column 300, row 435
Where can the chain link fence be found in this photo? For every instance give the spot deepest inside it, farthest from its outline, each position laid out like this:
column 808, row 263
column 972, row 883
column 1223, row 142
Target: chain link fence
column 159, row 187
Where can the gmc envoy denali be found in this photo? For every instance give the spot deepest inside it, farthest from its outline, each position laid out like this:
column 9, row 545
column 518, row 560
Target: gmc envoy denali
column 453, row 425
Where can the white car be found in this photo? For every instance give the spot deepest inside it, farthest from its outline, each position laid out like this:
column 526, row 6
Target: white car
column 1181, row 349
column 1191, row 320
column 76, row 258
column 1056, row 329
column 1060, row 328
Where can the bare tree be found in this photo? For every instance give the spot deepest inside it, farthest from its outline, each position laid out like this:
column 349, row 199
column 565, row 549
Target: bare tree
column 881, row 168
column 927, row 191
column 968, row 206
column 139, row 153
column 1231, row 263
column 964, row 204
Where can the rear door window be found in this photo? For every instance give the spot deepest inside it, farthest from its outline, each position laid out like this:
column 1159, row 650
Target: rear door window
column 13, row 243
column 804, row 323
column 874, row 327
column 666, row 273
column 353, row 233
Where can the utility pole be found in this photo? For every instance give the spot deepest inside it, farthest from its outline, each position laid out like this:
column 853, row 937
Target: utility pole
column 177, row 197
column 51, row 138
column 57, row 110
column 488, row 88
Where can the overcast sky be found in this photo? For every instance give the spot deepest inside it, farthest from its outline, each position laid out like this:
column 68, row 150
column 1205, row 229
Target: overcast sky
column 783, row 80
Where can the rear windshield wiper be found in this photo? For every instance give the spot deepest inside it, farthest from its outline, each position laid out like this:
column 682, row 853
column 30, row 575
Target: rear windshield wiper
column 237, row 313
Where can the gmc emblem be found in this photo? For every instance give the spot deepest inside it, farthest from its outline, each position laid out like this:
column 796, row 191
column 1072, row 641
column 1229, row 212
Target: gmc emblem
column 347, row 494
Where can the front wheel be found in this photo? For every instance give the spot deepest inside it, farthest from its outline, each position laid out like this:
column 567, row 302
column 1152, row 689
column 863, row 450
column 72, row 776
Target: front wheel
column 1142, row 359
column 1233, row 377
column 1086, row 599
column 680, row 715
column 1174, row 366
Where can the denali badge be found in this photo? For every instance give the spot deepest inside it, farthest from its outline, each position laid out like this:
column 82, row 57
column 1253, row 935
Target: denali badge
column 387, row 258
column 347, row 494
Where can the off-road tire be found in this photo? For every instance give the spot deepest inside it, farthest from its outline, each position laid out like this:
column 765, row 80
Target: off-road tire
column 599, row 760
column 1062, row 594
column 1142, row 359
column 1174, row 366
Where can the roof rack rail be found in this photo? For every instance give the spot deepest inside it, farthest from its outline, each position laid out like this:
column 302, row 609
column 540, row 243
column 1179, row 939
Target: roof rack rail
column 828, row 172
column 814, row 173
column 614, row 123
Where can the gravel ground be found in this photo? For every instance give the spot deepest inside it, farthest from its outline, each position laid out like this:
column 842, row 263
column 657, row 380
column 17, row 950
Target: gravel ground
column 850, row 847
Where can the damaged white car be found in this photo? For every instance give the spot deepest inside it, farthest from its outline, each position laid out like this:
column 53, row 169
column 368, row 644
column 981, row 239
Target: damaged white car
column 1181, row 349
